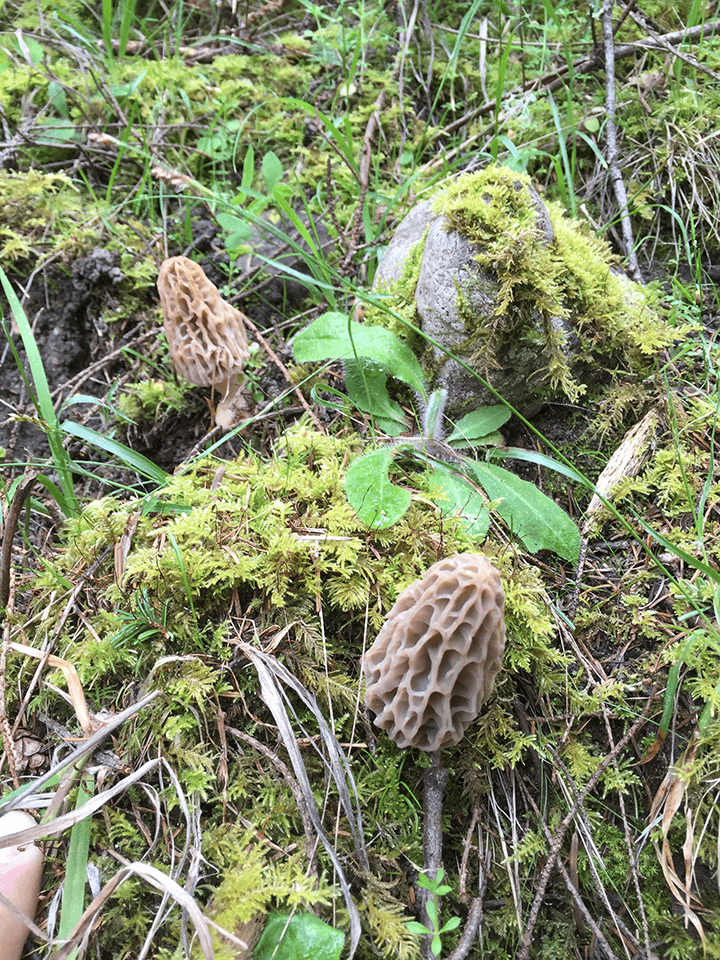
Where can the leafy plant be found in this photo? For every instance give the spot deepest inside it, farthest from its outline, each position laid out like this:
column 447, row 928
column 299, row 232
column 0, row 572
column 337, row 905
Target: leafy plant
column 438, row 889
column 458, row 484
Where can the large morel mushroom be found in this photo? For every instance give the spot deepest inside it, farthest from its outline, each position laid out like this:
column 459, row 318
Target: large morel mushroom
column 435, row 660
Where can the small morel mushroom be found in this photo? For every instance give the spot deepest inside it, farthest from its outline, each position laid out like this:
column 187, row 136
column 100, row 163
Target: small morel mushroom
column 435, row 660
column 206, row 334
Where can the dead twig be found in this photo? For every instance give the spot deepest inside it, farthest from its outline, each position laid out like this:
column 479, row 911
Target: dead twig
column 632, row 859
column 557, row 78
column 285, row 372
column 433, row 791
column 612, row 156
column 11, row 521
column 310, row 837
column 7, row 737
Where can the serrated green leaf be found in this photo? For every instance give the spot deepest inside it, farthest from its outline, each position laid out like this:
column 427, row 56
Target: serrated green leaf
column 480, row 424
column 539, row 522
column 299, row 937
column 333, row 337
column 375, row 498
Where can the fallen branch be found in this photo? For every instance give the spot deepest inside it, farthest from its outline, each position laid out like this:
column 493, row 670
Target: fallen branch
column 557, row 78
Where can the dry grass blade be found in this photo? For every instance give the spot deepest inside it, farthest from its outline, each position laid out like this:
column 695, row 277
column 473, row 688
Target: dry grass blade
column 156, row 878
column 510, row 815
column 669, row 797
column 84, row 749
column 270, row 672
column 556, row 842
column 55, row 827
column 77, row 696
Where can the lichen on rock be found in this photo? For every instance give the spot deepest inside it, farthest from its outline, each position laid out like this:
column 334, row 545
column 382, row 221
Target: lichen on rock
column 523, row 297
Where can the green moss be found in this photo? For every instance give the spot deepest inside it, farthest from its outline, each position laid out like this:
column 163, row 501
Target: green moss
column 151, row 399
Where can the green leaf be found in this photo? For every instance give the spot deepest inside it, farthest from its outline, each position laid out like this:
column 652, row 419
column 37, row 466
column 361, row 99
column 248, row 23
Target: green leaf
column 478, row 425
column 539, row 522
column 272, row 171
column 373, row 496
column 455, row 495
column 543, row 460
column 238, row 230
column 76, row 865
column 42, row 400
column 300, row 937
column 415, row 927
column 366, row 384
column 333, row 337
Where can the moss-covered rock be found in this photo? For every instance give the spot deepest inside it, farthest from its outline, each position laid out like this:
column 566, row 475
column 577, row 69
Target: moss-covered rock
column 522, row 297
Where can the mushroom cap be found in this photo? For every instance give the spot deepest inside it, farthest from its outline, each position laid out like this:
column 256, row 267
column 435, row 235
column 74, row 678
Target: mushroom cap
column 435, row 659
column 206, row 334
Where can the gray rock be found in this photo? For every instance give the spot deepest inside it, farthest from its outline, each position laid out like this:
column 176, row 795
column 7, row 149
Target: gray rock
column 455, row 301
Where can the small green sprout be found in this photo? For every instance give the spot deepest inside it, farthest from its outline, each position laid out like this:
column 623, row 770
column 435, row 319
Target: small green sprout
column 438, row 889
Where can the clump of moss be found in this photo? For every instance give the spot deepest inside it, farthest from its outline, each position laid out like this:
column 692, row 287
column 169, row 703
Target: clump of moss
column 268, row 548
column 150, row 399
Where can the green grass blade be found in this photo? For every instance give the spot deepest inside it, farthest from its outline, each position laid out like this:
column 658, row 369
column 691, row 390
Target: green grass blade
column 130, row 458
column 73, row 900
column 43, row 400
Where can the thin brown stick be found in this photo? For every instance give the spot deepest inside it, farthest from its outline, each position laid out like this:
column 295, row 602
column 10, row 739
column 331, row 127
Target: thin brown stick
column 285, row 372
column 472, row 925
column 660, row 41
column 7, row 737
column 611, row 142
column 555, row 79
column 435, row 780
column 578, row 903
column 364, row 171
column 629, row 845
column 11, row 521
column 310, row 836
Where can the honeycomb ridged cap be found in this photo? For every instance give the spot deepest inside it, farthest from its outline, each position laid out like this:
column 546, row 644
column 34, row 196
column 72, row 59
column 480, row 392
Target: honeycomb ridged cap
column 435, row 660
column 206, row 334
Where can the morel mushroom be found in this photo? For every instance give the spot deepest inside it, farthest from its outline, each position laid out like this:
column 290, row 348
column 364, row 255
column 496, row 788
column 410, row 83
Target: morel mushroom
column 206, row 334
column 435, row 660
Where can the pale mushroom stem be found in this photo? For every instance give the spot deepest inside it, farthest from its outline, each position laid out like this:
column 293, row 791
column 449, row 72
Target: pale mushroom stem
column 433, row 791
